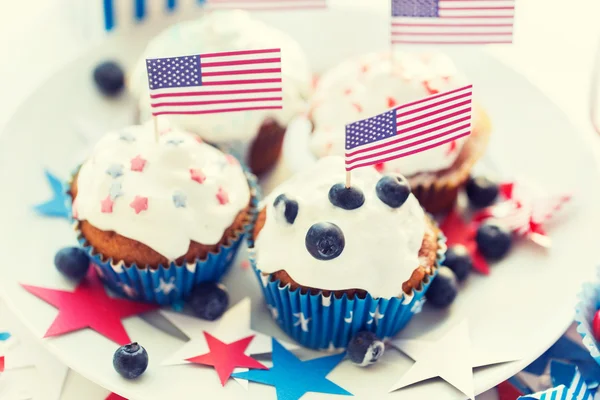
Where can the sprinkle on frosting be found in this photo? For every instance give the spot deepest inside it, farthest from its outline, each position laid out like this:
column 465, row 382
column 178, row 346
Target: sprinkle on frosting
column 385, row 239
column 138, row 163
column 175, row 142
column 115, row 170
column 162, row 207
column 127, row 137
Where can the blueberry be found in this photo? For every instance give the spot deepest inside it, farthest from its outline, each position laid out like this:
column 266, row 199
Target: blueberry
column 72, row 262
column 493, row 241
column 346, row 198
column 365, row 349
column 130, row 361
column 287, row 207
column 209, row 300
column 459, row 261
column 109, row 78
column 325, row 241
column 481, row 191
column 443, row 289
column 393, row 190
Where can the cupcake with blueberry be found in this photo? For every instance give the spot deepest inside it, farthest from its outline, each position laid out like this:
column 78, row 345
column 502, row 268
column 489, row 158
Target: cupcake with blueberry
column 255, row 136
column 159, row 216
column 333, row 261
column 365, row 86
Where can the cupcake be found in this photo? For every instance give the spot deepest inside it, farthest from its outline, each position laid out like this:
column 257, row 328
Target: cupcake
column 158, row 217
column 334, row 261
column 256, row 136
column 368, row 85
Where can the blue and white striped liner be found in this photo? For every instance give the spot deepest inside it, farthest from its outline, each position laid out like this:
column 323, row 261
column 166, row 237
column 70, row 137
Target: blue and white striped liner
column 327, row 323
column 172, row 283
column 589, row 303
column 118, row 11
column 571, row 385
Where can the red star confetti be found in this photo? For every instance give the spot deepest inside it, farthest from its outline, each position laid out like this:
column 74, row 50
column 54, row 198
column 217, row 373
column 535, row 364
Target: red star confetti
column 197, row 175
column 231, row 159
column 452, row 147
column 226, row 357
column 1, row 363
column 524, row 211
column 88, row 306
column 107, row 205
column 391, row 102
column 459, row 232
column 139, row 204
column 114, row 396
column 222, row 196
column 138, row 163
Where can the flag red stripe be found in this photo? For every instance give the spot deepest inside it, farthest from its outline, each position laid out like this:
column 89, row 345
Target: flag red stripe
column 261, row 1
column 439, row 103
column 238, row 53
column 451, row 33
column 476, row 8
column 436, row 96
column 409, row 152
column 447, row 42
column 478, row 16
column 242, row 72
column 239, row 62
column 272, row 8
column 398, row 24
column 432, row 121
column 435, row 112
column 405, row 138
column 242, row 82
column 215, row 93
column 201, row 103
column 216, row 111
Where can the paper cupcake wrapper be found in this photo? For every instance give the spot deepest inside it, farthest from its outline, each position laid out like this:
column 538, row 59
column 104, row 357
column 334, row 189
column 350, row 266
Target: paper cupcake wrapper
column 589, row 303
column 172, row 283
column 328, row 323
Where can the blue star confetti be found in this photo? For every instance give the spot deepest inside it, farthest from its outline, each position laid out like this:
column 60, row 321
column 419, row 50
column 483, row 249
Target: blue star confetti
column 175, row 142
column 115, row 170
column 179, row 199
column 115, row 190
column 127, row 137
column 4, row 336
column 59, row 205
column 287, row 369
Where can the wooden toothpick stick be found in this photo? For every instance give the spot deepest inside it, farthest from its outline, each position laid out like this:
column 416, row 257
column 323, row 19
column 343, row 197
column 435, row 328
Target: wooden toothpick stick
column 348, row 177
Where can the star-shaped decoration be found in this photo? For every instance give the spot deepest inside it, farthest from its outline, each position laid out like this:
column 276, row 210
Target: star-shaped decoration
column 451, row 358
column 80, row 309
column 233, row 325
column 231, row 160
column 288, row 369
column 179, row 199
column 126, row 137
column 197, row 175
column 138, row 163
column 115, row 170
column 375, row 316
column 418, row 306
column 222, row 196
column 59, row 205
column 458, row 231
column 174, row 142
column 115, row 190
column 106, row 205
column 139, row 204
column 226, row 357
column 302, row 321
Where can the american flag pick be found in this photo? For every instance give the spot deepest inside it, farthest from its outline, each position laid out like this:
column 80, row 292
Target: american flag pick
column 452, row 21
column 409, row 129
column 209, row 83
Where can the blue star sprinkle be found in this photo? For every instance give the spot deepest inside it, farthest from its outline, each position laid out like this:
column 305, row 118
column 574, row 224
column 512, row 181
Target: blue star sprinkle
column 4, row 336
column 115, row 170
column 60, row 204
column 115, row 190
column 294, row 378
column 179, row 199
column 126, row 137
column 175, row 142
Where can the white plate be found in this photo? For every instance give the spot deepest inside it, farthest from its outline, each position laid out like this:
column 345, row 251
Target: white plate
column 524, row 305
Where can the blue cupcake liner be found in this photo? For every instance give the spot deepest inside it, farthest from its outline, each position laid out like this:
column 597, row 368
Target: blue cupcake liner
column 588, row 304
column 329, row 323
column 169, row 284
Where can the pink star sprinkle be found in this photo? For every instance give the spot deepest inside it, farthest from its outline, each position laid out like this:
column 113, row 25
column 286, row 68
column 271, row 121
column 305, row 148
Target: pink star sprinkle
column 107, row 205
column 231, row 160
column 138, row 163
column 139, row 204
column 347, row 91
column 364, row 68
column 199, row 139
column 197, row 175
column 222, row 196
column 358, row 107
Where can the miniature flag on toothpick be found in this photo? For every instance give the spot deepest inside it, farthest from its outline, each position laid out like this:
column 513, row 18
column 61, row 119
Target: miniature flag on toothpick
column 452, row 21
column 409, row 129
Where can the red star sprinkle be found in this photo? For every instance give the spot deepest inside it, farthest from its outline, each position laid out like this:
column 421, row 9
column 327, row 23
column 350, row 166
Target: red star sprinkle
column 380, row 167
column 222, row 196
column 199, row 139
column 452, row 148
column 107, row 205
column 231, row 159
column 139, row 204
column 459, row 232
column 347, row 91
column 197, row 175
column 114, row 396
column 88, row 306
column 358, row 107
column 138, row 164
column 430, row 89
column 1, row 363
column 391, row 102
column 225, row 357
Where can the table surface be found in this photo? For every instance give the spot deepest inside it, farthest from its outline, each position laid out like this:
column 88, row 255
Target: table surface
column 555, row 46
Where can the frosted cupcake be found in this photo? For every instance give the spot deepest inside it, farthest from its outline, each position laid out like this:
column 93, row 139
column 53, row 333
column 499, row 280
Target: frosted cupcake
column 253, row 136
column 159, row 217
column 368, row 85
column 333, row 261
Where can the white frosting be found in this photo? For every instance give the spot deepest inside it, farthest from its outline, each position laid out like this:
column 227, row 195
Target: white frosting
column 371, row 84
column 179, row 208
column 382, row 243
column 227, row 31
